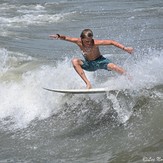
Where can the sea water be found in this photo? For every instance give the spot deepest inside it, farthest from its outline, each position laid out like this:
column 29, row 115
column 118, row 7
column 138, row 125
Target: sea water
column 124, row 125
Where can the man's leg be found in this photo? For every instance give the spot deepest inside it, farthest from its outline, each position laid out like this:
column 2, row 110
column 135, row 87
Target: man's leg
column 116, row 68
column 77, row 66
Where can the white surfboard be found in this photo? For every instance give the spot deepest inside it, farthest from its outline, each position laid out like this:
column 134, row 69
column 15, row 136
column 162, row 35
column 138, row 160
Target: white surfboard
column 79, row 91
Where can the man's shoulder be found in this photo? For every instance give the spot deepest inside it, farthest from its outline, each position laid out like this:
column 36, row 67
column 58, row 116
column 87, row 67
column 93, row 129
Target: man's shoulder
column 78, row 41
column 97, row 42
column 101, row 42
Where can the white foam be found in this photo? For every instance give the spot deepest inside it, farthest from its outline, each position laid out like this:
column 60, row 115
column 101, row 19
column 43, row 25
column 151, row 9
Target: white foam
column 27, row 15
column 31, row 19
column 25, row 100
column 145, row 70
column 31, row 9
column 3, row 60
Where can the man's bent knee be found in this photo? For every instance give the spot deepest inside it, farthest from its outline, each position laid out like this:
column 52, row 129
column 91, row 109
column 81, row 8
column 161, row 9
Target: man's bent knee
column 76, row 61
column 111, row 66
column 116, row 68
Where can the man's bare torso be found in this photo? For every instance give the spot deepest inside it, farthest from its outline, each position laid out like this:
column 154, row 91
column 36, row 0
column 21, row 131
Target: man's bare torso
column 90, row 53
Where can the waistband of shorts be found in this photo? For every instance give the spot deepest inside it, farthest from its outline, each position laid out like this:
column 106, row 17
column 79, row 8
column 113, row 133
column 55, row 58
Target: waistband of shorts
column 100, row 57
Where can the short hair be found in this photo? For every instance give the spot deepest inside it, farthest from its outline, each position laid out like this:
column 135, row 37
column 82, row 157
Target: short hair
column 86, row 33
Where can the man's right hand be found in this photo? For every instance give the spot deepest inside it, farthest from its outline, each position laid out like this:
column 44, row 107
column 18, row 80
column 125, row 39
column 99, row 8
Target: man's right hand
column 129, row 50
column 57, row 36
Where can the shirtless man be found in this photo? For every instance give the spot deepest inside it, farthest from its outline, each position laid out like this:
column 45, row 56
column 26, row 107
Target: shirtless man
column 93, row 58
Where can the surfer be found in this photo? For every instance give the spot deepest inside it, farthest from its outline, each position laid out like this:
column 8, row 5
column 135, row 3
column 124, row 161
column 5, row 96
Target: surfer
column 93, row 58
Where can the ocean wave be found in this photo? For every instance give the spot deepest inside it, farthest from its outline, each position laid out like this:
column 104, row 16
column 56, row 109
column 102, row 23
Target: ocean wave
column 24, row 100
column 31, row 19
column 19, row 16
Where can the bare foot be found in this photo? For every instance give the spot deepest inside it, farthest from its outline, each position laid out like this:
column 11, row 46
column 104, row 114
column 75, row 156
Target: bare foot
column 88, row 86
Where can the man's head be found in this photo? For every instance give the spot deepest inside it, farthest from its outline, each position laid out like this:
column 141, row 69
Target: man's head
column 87, row 37
column 86, row 33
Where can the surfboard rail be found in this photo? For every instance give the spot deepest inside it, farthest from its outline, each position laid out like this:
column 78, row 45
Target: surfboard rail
column 79, row 91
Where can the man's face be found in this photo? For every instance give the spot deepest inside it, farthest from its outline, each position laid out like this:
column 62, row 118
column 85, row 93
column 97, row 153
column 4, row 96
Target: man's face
column 87, row 42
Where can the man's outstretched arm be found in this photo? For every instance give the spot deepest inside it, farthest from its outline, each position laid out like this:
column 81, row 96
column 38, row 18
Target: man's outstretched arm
column 115, row 43
column 63, row 37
